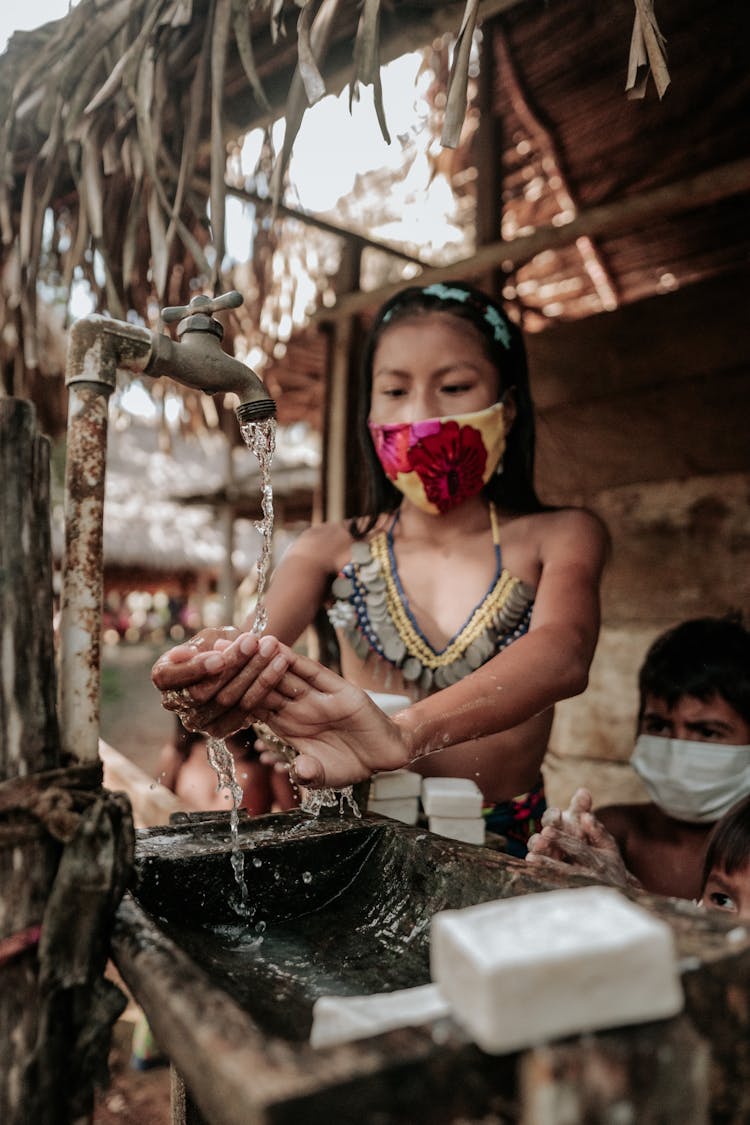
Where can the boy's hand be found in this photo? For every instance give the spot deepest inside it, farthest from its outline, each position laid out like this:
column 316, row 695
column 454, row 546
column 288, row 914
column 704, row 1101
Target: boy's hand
column 576, row 840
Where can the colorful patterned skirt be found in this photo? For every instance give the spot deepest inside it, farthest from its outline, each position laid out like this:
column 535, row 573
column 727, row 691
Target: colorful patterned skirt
column 517, row 819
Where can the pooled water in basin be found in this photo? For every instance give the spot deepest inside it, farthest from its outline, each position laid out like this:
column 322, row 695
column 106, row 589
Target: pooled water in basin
column 338, row 912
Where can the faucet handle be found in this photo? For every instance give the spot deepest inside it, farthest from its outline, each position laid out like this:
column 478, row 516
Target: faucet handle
column 202, row 304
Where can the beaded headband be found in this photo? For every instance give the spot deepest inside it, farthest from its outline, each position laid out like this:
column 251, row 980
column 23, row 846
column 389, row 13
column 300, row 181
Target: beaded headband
column 490, row 314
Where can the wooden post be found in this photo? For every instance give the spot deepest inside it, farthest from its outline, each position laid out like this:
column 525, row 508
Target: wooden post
column 29, row 739
column 337, row 398
column 489, row 150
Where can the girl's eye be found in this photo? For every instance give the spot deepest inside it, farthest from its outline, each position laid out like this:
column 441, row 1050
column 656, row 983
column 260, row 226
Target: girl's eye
column 721, row 901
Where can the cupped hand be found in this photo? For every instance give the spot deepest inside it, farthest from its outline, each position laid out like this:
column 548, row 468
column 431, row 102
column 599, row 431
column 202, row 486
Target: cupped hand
column 339, row 734
column 206, row 681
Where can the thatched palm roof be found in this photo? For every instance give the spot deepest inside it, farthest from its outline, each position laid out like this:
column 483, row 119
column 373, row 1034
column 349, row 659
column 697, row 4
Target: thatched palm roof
column 118, row 119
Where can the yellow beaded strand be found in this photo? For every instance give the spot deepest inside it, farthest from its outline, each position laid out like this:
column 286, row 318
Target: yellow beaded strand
column 479, row 621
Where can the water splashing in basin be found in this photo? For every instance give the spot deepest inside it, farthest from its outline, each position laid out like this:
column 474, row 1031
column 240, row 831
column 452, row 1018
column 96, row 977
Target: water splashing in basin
column 222, row 760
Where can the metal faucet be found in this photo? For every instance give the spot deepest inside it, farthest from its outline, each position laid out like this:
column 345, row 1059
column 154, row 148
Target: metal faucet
column 100, row 346
column 201, row 362
column 97, row 348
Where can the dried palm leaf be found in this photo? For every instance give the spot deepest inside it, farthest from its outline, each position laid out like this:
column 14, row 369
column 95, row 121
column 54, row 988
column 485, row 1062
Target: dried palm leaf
column 367, row 61
column 241, row 24
column 191, row 137
column 455, row 109
column 312, row 79
column 92, row 183
column 158, row 233
column 648, row 53
column 219, row 43
column 320, row 35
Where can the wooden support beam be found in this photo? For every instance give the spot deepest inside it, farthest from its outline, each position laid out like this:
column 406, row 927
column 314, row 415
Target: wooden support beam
column 200, row 183
column 607, row 219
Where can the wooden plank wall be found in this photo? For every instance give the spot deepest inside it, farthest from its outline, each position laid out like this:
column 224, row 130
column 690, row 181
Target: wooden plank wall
column 643, row 416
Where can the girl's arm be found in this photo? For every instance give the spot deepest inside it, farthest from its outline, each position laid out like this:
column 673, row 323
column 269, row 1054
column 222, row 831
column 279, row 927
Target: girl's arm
column 550, row 663
column 342, row 736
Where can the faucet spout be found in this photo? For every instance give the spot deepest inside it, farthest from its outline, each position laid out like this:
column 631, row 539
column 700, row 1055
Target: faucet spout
column 200, row 362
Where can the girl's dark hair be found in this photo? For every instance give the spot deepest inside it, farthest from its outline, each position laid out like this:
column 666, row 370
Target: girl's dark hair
column 503, row 344
column 703, row 657
column 728, row 845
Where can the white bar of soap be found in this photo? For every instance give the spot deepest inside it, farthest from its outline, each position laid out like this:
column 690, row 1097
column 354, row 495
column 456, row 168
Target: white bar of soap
column 470, row 830
column 525, row 970
column 451, row 796
column 388, row 702
column 395, row 783
column 339, row 1019
column 405, row 809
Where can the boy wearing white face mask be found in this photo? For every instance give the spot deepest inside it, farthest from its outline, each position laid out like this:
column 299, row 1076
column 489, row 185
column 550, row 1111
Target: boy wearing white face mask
column 693, row 755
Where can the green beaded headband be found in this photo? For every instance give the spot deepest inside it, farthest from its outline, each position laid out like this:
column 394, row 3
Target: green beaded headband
column 489, row 314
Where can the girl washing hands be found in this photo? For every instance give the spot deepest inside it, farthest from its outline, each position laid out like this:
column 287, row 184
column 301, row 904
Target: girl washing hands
column 456, row 587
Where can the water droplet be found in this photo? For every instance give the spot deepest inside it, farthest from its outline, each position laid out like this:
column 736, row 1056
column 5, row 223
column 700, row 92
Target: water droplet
column 306, row 877
column 257, row 861
column 260, row 927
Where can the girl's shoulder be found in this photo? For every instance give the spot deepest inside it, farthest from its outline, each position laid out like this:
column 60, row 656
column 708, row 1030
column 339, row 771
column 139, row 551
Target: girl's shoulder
column 551, row 521
column 567, row 532
column 330, row 542
column 573, row 518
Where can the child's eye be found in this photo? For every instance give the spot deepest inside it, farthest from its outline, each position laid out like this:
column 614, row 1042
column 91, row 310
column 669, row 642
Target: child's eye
column 721, row 901
column 656, row 726
column 707, row 734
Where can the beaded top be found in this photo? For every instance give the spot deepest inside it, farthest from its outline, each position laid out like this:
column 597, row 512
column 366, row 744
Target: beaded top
column 372, row 610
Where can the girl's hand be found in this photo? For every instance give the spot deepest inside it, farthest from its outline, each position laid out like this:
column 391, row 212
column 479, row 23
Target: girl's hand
column 193, row 664
column 205, row 680
column 339, row 734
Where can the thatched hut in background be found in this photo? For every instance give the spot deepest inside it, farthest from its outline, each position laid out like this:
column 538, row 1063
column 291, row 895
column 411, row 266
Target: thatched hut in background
column 615, row 228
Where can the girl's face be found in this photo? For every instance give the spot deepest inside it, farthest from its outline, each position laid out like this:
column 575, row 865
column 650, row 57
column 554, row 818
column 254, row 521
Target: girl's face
column 729, row 894
column 430, row 367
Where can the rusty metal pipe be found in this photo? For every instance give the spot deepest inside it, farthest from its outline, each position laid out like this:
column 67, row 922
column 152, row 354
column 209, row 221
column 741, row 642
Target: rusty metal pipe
column 98, row 347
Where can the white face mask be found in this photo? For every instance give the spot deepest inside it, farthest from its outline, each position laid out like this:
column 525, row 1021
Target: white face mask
column 693, row 781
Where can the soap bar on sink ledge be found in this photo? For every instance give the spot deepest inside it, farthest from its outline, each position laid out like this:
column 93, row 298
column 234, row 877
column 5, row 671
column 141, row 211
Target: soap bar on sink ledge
column 521, row 971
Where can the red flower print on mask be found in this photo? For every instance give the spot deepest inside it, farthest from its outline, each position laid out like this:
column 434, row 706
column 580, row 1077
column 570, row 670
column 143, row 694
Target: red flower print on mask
column 392, row 447
column 450, row 464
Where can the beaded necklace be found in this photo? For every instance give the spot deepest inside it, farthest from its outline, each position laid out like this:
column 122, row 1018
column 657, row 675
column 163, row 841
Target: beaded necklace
column 373, row 612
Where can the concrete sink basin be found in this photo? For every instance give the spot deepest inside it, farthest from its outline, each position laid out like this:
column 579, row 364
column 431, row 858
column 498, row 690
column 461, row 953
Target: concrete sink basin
column 228, row 975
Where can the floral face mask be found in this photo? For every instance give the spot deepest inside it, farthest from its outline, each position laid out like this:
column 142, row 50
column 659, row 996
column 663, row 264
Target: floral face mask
column 440, row 462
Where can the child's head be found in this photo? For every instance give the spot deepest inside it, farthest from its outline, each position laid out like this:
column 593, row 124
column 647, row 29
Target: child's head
column 726, row 869
column 483, row 321
column 707, row 659
column 693, row 745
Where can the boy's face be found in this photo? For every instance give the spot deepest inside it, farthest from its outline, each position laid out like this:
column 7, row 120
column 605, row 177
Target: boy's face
column 729, row 894
column 694, row 720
